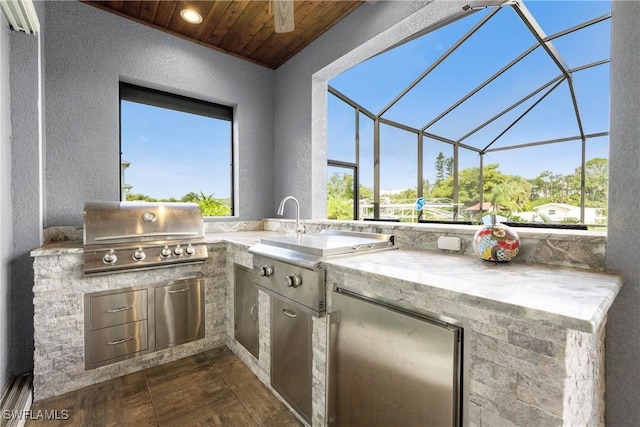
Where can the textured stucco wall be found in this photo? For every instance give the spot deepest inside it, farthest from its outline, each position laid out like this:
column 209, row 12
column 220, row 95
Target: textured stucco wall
column 5, row 206
column 25, row 176
column 622, row 255
column 88, row 51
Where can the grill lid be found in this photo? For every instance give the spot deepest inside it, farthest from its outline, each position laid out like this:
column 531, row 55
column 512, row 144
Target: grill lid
column 122, row 236
column 120, row 222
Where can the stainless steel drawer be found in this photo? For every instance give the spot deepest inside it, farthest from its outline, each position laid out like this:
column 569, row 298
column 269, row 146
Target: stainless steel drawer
column 119, row 308
column 117, row 341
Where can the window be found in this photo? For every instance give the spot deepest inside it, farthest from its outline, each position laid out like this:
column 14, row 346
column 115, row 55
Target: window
column 175, row 149
column 502, row 111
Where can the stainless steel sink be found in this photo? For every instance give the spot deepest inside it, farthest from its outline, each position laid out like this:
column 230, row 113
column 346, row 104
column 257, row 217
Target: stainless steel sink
column 325, row 244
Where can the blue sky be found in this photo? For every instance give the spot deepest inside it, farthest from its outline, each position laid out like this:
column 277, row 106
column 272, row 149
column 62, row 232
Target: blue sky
column 173, row 153
column 376, row 82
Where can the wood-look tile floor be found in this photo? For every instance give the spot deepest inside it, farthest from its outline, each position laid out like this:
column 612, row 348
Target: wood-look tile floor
column 211, row 388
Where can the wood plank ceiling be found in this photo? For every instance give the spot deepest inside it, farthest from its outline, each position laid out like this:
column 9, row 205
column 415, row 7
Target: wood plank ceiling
column 238, row 27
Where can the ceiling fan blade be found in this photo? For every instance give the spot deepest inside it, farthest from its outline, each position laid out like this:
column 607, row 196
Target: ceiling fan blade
column 283, row 16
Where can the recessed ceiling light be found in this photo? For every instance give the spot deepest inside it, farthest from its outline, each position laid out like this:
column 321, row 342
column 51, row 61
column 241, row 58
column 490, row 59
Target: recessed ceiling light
column 191, row 16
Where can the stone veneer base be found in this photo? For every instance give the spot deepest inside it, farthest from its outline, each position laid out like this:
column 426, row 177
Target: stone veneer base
column 59, row 287
column 519, row 372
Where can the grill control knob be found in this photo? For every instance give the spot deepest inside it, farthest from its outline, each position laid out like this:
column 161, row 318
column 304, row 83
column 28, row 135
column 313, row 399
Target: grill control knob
column 293, row 281
column 139, row 254
column 165, row 251
column 265, row 271
column 178, row 250
column 110, row 257
column 190, row 250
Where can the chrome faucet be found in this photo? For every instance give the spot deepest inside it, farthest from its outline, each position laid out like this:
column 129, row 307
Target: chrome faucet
column 299, row 227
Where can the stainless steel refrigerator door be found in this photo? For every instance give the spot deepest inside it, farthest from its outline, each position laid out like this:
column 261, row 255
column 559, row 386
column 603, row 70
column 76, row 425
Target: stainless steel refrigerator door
column 389, row 367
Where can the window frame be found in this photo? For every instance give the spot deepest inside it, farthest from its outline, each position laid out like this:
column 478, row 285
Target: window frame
column 157, row 98
column 566, row 75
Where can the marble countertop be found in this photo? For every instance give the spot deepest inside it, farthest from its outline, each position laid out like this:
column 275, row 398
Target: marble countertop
column 565, row 297
column 244, row 238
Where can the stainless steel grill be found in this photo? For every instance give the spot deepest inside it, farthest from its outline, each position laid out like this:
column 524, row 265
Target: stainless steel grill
column 121, row 236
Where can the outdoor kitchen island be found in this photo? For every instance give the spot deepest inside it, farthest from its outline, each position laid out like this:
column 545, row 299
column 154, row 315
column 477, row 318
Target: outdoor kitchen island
column 535, row 353
column 535, row 332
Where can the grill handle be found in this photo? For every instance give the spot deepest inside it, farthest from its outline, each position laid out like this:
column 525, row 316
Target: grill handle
column 137, row 236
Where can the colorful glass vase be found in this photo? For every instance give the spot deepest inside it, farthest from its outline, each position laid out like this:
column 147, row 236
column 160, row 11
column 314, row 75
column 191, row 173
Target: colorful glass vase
column 496, row 242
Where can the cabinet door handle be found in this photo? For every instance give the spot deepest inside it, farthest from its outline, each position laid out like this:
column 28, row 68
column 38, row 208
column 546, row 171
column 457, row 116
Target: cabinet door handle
column 179, row 290
column 119, row 309
column 120, row 341
column 252, row 312
column 289, row 313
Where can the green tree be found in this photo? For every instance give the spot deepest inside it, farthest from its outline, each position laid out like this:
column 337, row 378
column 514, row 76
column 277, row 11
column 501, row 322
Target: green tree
column 140, row 197
column 366, row 193
column 209, row 206
column 339, row 208
column 190, row 198
column 340, row 186
column 596, row 180
column 448, row 166
column 510, row 196
column 444, row 167
column 469, row 184
column 408, row 194
column 340, row 196
column 427, row 188
column 550, row 186
column 440, row 167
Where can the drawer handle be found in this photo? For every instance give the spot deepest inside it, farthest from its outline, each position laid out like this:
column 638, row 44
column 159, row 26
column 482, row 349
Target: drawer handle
column 252, row 312
column 289, row 313
column 179, row 290
column 117, row 310
column 120, row 341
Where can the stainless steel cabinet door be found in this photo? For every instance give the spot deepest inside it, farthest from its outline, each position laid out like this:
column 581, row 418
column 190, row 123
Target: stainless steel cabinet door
column 245, row 313
column 179, row 309
column 391, row 368
column 291, row 355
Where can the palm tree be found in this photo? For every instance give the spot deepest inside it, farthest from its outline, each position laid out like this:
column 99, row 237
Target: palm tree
column 510, row 196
